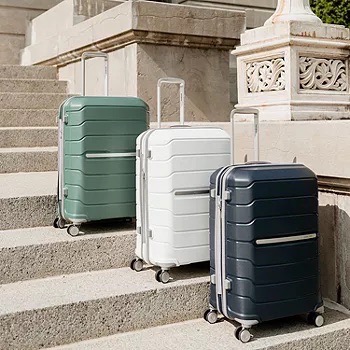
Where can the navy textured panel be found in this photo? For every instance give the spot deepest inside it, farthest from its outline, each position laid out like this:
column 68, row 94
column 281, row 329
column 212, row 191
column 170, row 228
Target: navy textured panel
column 244, row 176
column 261, row 208
column 278, row 226
column 245, row 309
column 274, row 280
column 274, row 189
column 273, row 254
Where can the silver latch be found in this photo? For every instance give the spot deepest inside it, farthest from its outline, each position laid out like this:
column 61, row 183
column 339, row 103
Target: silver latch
column 149, row 154
column 227, row 284
column 213, row 193
column 226, row 196
column 138, row 153
column 65, row 192
column 138, row 230
column 150, row 234
column 212, row 279
column 65, row 118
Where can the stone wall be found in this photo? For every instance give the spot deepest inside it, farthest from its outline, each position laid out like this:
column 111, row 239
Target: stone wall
column 15, row 15
column 334, row 221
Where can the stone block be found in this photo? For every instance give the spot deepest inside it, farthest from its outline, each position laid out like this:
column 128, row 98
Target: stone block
column 15, row 160
column 64, row 16
column 51, row 252
column 257, row 12
column 30, row 4
column 328, row 245
column 28, row 137
column 10, row 46
column 206, row 75
column 342, row 226
column 27, row 117
column 15, row 20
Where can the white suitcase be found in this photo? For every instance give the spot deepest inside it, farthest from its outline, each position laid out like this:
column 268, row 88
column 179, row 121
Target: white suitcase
column 173, row 169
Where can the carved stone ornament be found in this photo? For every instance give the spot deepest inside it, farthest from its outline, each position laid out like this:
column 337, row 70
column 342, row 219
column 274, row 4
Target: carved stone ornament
column 266, row 75
column 323, row 74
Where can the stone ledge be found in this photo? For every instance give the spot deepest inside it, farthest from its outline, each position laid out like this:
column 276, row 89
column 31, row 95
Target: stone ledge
column 30, row 4
column 336, row 185
column 143, row 37
column 135, row 20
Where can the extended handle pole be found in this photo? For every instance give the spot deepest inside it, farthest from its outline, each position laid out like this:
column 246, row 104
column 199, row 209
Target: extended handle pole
column 176, row 81
column 246, row 111
column 87, row 55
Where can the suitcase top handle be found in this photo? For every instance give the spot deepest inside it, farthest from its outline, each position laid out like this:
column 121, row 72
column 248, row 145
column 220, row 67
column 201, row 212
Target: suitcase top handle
column 96, row 54
column 246, row 111
column 176, row 81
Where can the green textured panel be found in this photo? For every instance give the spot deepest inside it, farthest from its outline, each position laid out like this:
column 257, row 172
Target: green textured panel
column 100, row 188
column 75, row 210
column 101, row 166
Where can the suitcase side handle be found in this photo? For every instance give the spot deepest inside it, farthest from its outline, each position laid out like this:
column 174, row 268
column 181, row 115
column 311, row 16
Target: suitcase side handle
column 87, row 55
column 176, row 81
column 246, row 111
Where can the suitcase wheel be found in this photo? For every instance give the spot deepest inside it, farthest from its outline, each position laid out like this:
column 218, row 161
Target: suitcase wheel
column 59, row 223
column 73, row 230
column 163, row 276
column 315, row 319
column 243, row 334
column 211, row 316
column 136, row 265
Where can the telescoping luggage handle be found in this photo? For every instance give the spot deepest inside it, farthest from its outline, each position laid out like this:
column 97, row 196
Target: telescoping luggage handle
column 87, row 55
column 246, row 111
column 176, row 81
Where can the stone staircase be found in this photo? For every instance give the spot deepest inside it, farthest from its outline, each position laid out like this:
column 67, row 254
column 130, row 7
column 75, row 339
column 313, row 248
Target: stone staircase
column 57, row 290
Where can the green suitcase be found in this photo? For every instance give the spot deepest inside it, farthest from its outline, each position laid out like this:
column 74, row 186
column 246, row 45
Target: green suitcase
column 97, row 156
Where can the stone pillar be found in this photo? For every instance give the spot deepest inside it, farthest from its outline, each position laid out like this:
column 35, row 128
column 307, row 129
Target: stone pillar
column 295, row 67
column 146, row 41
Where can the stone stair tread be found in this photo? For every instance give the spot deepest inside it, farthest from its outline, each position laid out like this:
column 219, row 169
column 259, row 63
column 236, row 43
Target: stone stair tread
column 48, row 235
column 28, row 149
column 31, row 79
column 14, row 185
column 286, row 334
column 77, row 288
column 14, row 71
column 8, row 85
column 51, row 252
column 4, row 128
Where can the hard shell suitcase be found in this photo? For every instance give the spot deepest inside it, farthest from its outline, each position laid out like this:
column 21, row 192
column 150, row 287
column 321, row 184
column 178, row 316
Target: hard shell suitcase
column 264, row 262
column 97, row 138
column 172, row 188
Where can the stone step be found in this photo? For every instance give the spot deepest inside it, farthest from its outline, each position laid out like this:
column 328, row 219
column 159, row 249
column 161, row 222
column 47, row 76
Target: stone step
column 28, row 137
column 28, row 117
column 13, row 100
column 45, row 251
column 27, row 199
column 33, row 86
column 65, row 309
column 27, row 72
column 287, row 334
column 32, row 159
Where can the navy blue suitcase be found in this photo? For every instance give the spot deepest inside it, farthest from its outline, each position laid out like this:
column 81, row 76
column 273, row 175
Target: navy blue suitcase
column 264, row 255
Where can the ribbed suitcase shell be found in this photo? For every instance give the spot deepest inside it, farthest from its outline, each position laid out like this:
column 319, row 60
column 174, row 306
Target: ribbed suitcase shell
column 267, row 281
column 97, row 149
column 173, row 175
